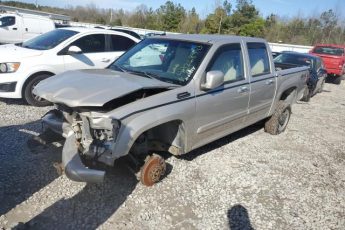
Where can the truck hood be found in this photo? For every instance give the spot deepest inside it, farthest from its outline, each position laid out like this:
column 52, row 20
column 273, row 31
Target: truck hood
column 13, row 53
column 93, row 88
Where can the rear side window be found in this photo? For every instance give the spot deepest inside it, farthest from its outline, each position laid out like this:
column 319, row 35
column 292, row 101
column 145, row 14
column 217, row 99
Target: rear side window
column 329, row 50
column 120, row 43
column 94, row 43
column 228, row 59
column 318, row 64
column 258, row 57
column 7, row 21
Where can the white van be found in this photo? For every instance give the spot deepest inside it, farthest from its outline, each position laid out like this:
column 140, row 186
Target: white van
column 16, row 28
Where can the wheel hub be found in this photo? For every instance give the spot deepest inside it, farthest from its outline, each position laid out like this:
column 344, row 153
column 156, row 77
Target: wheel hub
column 153, row 169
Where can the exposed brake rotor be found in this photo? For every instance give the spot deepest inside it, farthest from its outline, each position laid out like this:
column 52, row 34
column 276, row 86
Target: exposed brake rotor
column 153, row 169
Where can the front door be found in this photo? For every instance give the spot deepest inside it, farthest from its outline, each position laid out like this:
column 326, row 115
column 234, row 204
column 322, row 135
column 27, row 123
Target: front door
column 223, row 110
column 11, row 29
column 93, row 54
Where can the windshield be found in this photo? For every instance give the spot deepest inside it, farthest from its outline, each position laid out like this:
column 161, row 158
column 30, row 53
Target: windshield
column 294, row 59
column 166, row 60
column 7, row 21
column 48, row 40
column 329, row 50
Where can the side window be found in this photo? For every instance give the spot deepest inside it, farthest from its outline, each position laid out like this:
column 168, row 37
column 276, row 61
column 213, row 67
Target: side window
column 94, row 43
column 7, row 21
column 228, row 59
column 318, row 64
column 258, row 57
column 120, row 43
column 322, row 64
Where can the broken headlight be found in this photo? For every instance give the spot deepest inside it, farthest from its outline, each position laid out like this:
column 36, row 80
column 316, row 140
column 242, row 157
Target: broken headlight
column 105, row 128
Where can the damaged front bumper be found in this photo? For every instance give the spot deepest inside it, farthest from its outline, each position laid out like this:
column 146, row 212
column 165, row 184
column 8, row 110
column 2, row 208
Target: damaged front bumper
column 74, row 168
column 71, row 161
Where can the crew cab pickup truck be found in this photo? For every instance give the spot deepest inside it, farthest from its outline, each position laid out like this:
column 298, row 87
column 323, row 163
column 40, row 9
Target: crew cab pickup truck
column 334, row 58
column 167, row 94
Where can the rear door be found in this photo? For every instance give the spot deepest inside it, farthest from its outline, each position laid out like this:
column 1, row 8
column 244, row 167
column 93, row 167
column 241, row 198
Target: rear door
column 263, row 81
column 93, row 53
column 223, row 110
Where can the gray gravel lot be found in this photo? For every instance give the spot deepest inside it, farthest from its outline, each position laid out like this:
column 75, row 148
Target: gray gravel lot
column 247, row 180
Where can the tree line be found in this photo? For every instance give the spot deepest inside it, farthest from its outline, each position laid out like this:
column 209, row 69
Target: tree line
column 237, row 17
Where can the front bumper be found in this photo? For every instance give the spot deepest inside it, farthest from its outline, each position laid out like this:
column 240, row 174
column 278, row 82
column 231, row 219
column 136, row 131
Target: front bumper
column 74, row 168
column 10, row 85
column 71, row 161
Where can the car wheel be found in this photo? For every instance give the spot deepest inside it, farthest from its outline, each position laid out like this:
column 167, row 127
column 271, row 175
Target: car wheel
column 337, row 80
column 306, row 95
column 30, row 97
column 279, row 120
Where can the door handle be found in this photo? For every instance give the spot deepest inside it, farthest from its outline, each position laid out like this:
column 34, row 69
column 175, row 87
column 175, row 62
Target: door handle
column 14, row 28
column 269, row 82
column 183, row 95
column 243, row 89
column 105, row 60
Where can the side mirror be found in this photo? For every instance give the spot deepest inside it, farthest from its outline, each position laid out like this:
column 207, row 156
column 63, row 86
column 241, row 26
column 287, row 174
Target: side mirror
column 74, row 50
column 214, row 79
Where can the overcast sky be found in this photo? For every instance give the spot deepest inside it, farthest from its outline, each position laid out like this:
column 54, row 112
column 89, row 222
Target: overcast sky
column 280, row 7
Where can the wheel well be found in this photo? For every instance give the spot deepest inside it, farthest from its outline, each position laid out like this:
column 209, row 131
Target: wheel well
column 169, row 137
column 33, row 76
column 287, row 93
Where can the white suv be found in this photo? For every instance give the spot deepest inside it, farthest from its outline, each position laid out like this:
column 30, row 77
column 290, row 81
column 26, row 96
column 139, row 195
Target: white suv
column 23, row 66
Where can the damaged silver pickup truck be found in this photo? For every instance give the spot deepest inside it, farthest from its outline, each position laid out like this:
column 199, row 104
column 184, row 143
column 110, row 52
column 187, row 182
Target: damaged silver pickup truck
column 167, row 94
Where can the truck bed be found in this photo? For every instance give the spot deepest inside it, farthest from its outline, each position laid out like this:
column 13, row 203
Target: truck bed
column 283, row 66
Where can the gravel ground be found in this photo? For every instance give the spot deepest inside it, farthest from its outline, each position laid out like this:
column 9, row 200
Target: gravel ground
column 247, row 180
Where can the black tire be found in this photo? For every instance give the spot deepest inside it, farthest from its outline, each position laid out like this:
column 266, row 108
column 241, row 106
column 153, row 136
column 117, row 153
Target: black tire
column 337, row 80
column 306, row 95
column 279, row 120
column 31, row 98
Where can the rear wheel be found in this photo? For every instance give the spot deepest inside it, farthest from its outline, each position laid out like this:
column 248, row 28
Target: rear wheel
column 279, row 120
column 337, row 80
column 30, row 97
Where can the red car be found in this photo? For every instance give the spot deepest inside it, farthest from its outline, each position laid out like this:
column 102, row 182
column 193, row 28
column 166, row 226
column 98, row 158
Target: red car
column 334, row 58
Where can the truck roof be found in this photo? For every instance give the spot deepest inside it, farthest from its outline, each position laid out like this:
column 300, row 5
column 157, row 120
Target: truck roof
column 331, row 45
column 212, row 39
